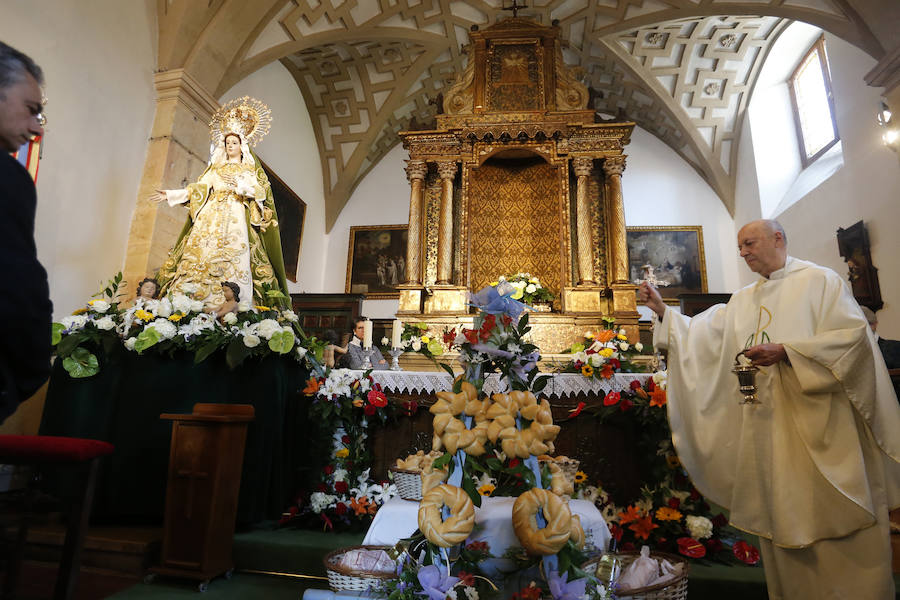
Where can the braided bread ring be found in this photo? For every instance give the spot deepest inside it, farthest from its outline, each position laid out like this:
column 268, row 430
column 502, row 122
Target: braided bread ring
column 577, row 536
column 460, row 523
column 551, row 538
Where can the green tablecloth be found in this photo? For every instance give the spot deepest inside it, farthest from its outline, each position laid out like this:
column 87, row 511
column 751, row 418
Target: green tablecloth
column 122, row 404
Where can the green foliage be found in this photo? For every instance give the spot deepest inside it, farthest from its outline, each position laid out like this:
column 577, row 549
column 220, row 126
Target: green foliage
column 81, row 363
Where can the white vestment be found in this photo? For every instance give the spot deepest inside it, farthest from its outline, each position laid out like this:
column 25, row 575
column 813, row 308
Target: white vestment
column 813, row 468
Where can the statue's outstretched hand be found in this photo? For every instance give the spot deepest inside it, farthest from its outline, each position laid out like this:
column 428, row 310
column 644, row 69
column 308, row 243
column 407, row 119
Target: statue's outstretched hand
column 649, row 295
column 229, row 179
column 158, row 196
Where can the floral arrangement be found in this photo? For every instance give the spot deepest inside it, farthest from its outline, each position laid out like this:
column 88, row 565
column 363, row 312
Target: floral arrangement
column 179, row 323
column 414, row 339
column 345, row 404
column 602, row 354
column 416, row 580
column 528, row 289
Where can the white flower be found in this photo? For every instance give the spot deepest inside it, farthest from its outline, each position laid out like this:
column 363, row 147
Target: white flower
column 622, row 331
column 451, row 594
column 589, row 335
column 230, row 318
column 623, row 346
column 197, row 325
column 530, row 288
column 164, row 327
column 74, row 322
column 581, row 357
column 104, row 323
column 639, row 347
column 700, row 527
column 416, row 344
column 130, row 342
column 301, row 351
column 519, row 285
column 596, row 360
column 181, row 303
column 471, row 593
column 589, row 493
column 319, row 501
column 659, row 378
column 290, row 316
column 268, row 328
column 610, row 512
column 164, row 309
column 340, row 474
column 196, row 306
column 644, row 505
column 251, row 341
column 100, row 306
column 189, row 288
column 243, row 306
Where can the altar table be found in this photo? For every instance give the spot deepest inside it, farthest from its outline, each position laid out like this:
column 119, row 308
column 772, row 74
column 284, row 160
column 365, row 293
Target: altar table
column 398, row 519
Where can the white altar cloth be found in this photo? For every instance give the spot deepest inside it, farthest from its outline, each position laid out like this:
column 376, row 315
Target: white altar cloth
column 398, row 519
column 561, row 385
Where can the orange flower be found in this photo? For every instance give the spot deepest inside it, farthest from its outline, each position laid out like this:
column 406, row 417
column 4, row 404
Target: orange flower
column 642, row 527
column 658, row 397
column 607, row 371
column 357, row 402
column 587, row 370
column 605, row 335
column 312, row 386
column 360, row 506
column 631, row 514
column 641, row 393
column 667, row 513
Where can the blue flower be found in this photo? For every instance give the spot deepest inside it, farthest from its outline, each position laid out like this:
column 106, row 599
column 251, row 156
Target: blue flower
column 435, row 583
column 560, row 590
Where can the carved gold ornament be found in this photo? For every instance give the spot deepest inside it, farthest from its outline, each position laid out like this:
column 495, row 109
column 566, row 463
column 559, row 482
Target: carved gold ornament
column 246, row 116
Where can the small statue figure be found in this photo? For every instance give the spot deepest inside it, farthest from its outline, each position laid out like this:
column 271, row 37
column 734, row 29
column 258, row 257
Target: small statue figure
column 148, row 289
column 232, row 293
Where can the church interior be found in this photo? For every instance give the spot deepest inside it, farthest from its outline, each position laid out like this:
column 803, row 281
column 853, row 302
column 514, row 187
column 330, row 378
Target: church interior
column 676, row 115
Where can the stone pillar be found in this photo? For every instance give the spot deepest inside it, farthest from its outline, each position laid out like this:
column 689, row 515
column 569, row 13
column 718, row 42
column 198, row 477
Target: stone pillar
column 615, row 223
column 447, row 171
column 177, row 153
column 583, row 167
column 415, row 173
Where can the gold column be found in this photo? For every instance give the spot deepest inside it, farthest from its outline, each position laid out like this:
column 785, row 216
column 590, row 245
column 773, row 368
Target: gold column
column 613, row 167
column 447, row 171
column 415, row 173
column 582, row 167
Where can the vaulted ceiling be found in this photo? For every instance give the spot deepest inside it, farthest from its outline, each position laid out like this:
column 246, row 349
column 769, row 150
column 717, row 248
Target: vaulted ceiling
column 683, row 70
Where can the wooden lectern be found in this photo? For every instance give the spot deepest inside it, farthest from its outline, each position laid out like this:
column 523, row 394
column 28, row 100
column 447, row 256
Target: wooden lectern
column 205, row 461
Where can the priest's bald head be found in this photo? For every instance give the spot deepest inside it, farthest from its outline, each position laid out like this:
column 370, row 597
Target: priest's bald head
column 763, row 246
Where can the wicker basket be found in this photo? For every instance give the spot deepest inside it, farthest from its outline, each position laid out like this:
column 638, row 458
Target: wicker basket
column 409, row 483
column 340, row 578
column 675, row 589
column 569, row 467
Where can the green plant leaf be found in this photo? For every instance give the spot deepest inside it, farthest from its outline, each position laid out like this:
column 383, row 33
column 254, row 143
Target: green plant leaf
column 69, row 343
column 468, row 486
column 540, row 383
column 81, row 363
column 205, row 349
column 146, row 339
column 435, row 347
column 441, row 462
column 56, row 330
column 281, row 342
column 236, row 352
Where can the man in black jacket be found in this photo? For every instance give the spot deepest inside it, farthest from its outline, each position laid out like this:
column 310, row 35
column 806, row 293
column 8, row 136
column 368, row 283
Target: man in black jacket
column 25, row 308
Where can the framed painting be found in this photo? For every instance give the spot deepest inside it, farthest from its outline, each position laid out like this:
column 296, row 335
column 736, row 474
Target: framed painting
column 291, row 214
column 671, row 258
column 376, row 260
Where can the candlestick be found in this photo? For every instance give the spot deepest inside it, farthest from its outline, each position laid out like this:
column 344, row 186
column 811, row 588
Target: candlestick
column 367, row 334
column 397, row 334
column 395, row 359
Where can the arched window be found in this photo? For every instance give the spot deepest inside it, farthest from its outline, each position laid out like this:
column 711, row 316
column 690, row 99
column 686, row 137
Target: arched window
column 813, row 104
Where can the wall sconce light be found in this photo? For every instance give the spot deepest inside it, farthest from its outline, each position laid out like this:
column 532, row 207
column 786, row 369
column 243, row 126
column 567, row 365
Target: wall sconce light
column 891, row 135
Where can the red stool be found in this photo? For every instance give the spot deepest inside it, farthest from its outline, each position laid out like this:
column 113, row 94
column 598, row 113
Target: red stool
column 41, row 451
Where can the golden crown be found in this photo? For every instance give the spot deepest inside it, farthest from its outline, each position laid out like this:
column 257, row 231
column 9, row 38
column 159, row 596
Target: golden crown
column 246, row 116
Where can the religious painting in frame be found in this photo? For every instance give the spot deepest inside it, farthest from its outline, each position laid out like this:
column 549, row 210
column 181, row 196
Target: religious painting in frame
column 291, row 214
column 376, row 260
column 669, row 257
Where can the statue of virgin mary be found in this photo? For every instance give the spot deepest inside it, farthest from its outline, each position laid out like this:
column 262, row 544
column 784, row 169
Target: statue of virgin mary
column 232, row 229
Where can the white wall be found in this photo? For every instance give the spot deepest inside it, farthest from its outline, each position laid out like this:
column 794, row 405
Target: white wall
column 98, row 59
column 865, row 188
column 290, row 150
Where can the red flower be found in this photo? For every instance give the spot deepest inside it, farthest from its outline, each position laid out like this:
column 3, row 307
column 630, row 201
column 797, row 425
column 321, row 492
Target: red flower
column 506, row 320
column 628, row 547
column 745, row 553
column 328, row 469
column 449, row 336
column 674, row 502
column 616, row 532
column 695, row 495
column 607, row 371
column 340, row 508
column 410, row 407
column 466, row 578
column 322, row 488
column 643, row 527
column 369, row 410
column 713, row 545
column 691, row 547
column 577, row 410
column 341, row 487
column 345, row 440
column 635, row 385
column 293, row 510
column 578, row 364
column 651, row 385
column 614, row 363
column 612, row 399
column 625, row 405
column 719, row 520
column 513, row 462
column 478, row 547
column 471, row 336
column 377, row 398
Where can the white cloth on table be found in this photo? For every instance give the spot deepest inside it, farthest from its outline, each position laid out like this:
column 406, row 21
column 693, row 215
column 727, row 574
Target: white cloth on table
column 398, row 519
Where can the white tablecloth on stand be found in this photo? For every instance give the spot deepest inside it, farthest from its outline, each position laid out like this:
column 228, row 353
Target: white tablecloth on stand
column 398, row 519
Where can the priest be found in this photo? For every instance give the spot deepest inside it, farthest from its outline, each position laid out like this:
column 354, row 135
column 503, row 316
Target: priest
column 813, row 468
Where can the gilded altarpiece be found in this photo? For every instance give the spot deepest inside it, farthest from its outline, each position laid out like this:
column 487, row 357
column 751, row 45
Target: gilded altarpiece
column 519, row 175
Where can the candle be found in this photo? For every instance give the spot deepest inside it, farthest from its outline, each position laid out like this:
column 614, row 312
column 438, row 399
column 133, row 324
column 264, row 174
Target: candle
column 397, row 333
column 367, row 334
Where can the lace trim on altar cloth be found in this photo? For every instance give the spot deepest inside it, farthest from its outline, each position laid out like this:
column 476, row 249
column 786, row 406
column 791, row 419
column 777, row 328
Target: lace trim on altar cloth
column 561, row 385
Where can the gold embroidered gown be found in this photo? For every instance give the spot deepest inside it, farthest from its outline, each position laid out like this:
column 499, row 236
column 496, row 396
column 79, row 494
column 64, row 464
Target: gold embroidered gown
column 231, row 235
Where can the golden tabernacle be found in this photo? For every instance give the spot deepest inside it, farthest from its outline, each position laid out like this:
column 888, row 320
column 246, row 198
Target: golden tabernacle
column 518, row 176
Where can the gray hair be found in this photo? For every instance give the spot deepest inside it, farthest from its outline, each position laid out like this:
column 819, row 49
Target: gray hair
column 774, row 227
column 14, row 65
